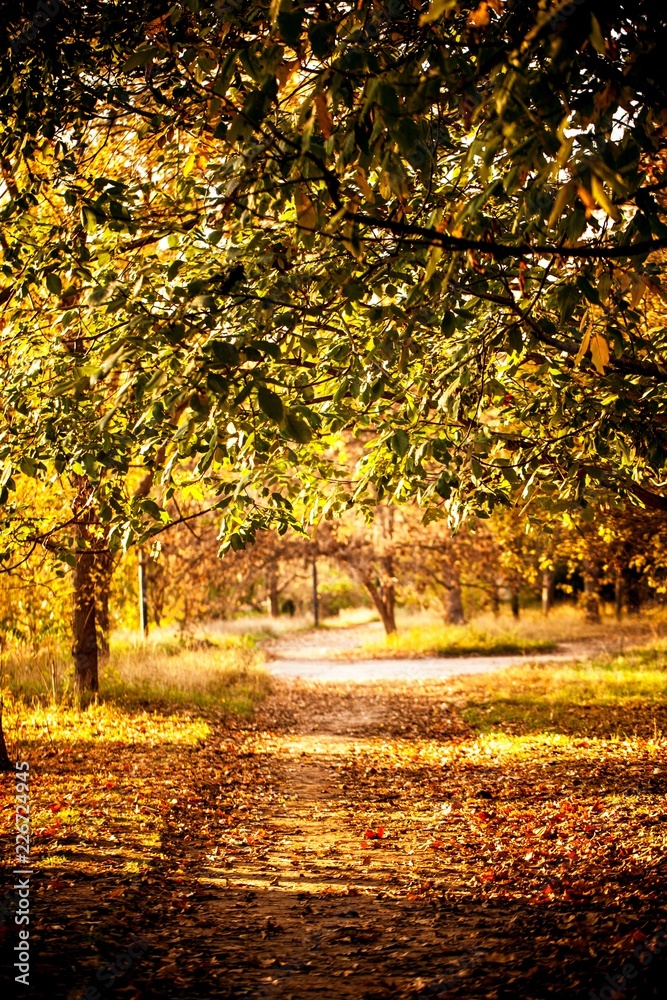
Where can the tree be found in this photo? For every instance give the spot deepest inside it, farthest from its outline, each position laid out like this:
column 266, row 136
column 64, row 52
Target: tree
column 370, row 552
column 438, row 229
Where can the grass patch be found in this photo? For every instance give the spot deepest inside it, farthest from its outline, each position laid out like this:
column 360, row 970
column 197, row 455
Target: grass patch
column 224, row 673
column 606, row 695
column 455, row 640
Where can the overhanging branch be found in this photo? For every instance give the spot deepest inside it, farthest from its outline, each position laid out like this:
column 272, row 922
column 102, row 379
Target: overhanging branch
column 432, row 237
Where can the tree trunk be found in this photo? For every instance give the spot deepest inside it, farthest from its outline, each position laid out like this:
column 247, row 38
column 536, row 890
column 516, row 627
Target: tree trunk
column 632, row 593
column 103, row 574
column 316, row 595
column 495, row 600
column 453, row 599
column 548, row 590
column 591, row 600
column 619, row 595
column 5, row 762
column 84, row 633
column 384, row 598
column 272, row 581
column 514, row 603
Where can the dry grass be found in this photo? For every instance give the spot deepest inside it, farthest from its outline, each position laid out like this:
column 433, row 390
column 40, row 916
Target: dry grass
column 487, row 635
column 224, row 673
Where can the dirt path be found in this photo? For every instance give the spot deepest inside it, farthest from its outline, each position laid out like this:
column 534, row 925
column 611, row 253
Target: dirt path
column 329, row 908
column 336, row 655
column 351, row 868
column 354, row 843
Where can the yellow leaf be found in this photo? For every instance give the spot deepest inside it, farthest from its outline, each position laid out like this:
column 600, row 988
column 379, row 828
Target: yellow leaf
column 601, row 197
column 638, row 287
column 585, row 341
column 285, row 71
column 189, row 164
column 364, row 186
column 599, row 352
column 432, row 263
column 565, row 151
column 324, row 119
column 596, row 36
column 563, row 198
column 587, row 198
column 436, row 9
column 305, row 210
column 274, row 10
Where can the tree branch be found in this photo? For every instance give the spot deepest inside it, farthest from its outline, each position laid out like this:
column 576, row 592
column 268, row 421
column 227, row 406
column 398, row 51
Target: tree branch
column 432, row 237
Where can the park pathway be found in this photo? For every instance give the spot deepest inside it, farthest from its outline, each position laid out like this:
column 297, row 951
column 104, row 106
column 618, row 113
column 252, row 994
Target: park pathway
column 330, row 851
column 355, row 842
column 331, row 889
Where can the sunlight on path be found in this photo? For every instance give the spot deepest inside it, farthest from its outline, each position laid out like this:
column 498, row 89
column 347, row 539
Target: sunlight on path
column 408, row 669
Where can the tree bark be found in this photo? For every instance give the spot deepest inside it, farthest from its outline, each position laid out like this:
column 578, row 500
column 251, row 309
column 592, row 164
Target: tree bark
column 272, row 581
column 5, row 762
column 632, row 594
column 619, row 595
column 383, row 596
column 316, row 594
column 84, row 633
column 453, row 599
column 514, row 603
column 103, row 574
column 548, row 590
column 591, row 600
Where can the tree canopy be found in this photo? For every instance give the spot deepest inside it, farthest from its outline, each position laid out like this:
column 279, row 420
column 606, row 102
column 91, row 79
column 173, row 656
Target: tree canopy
column 304, row 255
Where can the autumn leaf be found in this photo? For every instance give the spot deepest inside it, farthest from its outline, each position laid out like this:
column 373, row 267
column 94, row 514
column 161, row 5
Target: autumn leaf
column 600, row 353
column 305, row 210
column 324, row 119
column 480, row 17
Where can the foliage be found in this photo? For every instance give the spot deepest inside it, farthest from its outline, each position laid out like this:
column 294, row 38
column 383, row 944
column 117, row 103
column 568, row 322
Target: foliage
column 229, row 237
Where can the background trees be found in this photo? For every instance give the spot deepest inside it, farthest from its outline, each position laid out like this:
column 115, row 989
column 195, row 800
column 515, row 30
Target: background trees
column 243, row 247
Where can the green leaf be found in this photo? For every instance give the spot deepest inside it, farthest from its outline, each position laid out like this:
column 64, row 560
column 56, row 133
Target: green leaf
column 270, row 404
column 296, row 428
column 448, row 324
column 54, row 284
column 289, row 25
column 88, row 220
column 399, row 443
column 139, row 58
column 224, row 352
column 150, row 507
column 596, row 37
column 436, row 9
column 322, row 36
